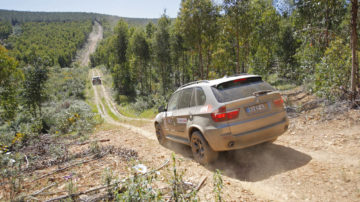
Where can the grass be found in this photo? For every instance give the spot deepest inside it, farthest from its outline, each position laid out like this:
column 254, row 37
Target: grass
column 126, row 110
column 108, row 110
column 93, row 106
column 280, row 83
column 148, row 114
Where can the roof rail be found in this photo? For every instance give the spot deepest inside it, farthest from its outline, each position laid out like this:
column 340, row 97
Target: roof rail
column 194, row 82
column 241, row 74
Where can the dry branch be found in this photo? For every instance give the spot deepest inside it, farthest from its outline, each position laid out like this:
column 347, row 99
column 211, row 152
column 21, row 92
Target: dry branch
column 292, row 94
column 200, row 184
column 311, row 105
column 67, row 167
column 197, row 188
column 88, row 142
column 43, row 189
column 27, row 162
column 103, row 187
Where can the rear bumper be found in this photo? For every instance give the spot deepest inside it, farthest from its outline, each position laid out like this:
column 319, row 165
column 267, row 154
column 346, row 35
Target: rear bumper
column 223, row 142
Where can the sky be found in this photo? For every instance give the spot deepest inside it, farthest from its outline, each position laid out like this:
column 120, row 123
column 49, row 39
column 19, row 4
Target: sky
column 123, row 8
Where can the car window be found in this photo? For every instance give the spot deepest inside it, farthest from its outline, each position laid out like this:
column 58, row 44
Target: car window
column 193, row 99
column 240, row 88
column 185, row 97
column 173, row 101
column 200, row 96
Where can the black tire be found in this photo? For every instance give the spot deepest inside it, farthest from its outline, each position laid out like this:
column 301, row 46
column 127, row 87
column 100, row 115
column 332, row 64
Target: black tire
column 201, row 150
column 271, row 141
column 160, row 135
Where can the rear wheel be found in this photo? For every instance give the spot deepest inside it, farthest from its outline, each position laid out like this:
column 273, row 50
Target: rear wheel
column 273, row 140
column 160, row 135
column 201, row 150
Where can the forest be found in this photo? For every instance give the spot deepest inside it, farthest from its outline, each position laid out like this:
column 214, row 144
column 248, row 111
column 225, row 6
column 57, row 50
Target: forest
column 289, row 43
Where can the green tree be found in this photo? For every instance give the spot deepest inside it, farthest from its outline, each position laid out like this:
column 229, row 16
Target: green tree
column 162, row 52
column 10, row 77
column 334, row 70
column 286, row 49
column 121, row 32
column 140, row 49
column 320, row 19
column 239, row 25
column 5, row 29
column 150, row 30
column 34, row 93
column 264, row 37
column 198, row 22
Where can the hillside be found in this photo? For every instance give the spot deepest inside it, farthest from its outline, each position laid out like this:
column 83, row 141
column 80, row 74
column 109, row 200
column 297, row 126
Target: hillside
column 25, row 16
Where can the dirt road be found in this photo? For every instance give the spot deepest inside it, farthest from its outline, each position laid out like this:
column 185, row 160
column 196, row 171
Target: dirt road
column 315, row 160
column 95, row 36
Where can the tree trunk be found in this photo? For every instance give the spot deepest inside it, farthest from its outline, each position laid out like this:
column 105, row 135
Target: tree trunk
column 237, row 55
column 246, row 44
column 355, row 65
column 208, row 63
column 201, row 63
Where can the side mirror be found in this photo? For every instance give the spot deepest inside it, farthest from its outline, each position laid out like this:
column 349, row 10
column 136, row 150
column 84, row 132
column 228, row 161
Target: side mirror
column 161, row 109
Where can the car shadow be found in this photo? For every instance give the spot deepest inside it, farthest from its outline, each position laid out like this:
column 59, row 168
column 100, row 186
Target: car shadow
column 254, row 163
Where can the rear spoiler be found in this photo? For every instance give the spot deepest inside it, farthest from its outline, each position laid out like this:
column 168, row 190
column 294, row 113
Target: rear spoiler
column 245, row 80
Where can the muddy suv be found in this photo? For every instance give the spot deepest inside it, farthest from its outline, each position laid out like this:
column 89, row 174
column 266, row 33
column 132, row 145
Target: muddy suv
column 223, row 114
column 96, row 80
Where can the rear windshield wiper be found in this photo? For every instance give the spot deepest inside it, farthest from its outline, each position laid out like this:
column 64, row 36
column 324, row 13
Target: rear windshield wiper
column 262, row 92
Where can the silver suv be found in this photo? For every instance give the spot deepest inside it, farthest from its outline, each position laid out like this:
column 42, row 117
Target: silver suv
column 223, row 114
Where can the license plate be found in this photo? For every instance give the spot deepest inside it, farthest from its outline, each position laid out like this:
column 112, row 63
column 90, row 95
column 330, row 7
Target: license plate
column 255, row 108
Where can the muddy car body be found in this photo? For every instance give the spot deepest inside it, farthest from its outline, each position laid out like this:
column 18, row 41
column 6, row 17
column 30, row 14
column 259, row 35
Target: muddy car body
column 96, row 80
column 223, row 114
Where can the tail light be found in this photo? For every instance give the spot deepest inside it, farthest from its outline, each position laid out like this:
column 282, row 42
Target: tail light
column 278, row 102
column 222, row 115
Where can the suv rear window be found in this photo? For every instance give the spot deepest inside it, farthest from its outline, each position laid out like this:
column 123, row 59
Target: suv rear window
column 239, row 88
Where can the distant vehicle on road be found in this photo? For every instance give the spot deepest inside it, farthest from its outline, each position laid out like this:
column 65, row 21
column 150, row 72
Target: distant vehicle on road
column 223, row 114
column 96, row 80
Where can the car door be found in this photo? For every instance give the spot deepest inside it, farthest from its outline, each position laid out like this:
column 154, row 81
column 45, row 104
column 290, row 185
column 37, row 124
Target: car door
column 182, row 114
column 171, row 108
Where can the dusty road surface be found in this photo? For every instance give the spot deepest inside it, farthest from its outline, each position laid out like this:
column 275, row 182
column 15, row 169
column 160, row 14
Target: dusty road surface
column 95, row 36
column 316, row 160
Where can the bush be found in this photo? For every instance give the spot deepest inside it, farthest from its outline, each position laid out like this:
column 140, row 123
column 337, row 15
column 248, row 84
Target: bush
column 70, row 116
column 333, row 71
column 23, row 128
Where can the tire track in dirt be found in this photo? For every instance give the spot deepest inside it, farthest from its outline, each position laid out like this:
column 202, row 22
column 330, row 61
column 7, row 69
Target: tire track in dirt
column 109, row 119
column 95, row 36
column 113, row 105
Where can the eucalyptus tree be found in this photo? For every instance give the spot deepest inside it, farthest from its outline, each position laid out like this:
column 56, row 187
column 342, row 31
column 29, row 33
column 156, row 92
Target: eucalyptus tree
column 264, row 36
column 354, row 39
column 122, row 77
column 10, row 78
column 239, row 25
column 34, row 93
column 162, row 51
column 198, row 23
column 320, row 19
column 140, row 50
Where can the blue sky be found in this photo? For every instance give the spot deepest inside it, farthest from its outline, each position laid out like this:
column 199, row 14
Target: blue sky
column 123, row 8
